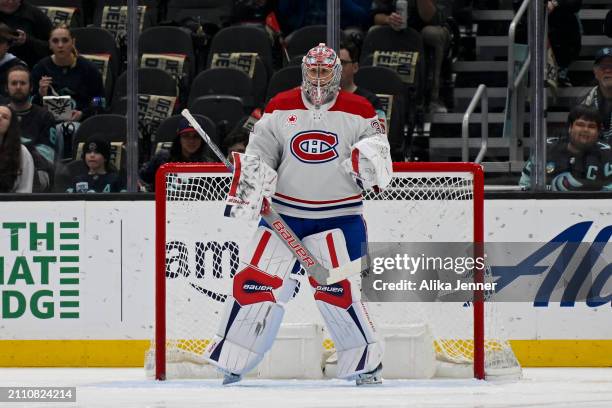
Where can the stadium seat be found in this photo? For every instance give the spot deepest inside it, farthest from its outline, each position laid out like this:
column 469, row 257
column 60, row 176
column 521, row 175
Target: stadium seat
column 381, row 80
column 224, row 111
column 96, row 40
column 151, row 81
column 247, row 39
column 303, row 39
column 284, row 79
column 223, row 81
column 169, row 40
column 243, row 38
column 384, row 38
column 217, row 12
column 112, row 127
column 78, row 19
column 151, row 13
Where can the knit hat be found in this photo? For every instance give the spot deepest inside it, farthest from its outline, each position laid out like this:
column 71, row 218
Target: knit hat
column 98, row 145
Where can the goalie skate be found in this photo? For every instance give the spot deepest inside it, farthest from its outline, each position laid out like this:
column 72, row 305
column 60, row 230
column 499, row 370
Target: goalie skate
column 230, row 378
column 371, row 378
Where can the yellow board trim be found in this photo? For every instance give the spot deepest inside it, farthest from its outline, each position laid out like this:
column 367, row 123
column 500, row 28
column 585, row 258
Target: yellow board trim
column 130, row 353
column 73, row 353
column 563, row 353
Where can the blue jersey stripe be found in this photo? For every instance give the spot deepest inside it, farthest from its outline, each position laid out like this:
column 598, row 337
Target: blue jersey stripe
column 333, row 207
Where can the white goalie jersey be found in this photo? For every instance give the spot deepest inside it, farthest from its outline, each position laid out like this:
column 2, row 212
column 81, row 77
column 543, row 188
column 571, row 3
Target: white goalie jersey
column 307, row 148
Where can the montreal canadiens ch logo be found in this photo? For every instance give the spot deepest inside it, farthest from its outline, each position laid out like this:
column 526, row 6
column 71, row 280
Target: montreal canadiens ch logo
column 314, row 146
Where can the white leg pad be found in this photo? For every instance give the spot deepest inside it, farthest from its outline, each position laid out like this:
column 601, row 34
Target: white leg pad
column 249, row 331
column 347, row 319
column 254, row 311
column 357, row 345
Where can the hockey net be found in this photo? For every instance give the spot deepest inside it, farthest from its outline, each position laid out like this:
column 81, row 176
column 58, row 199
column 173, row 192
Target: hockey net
column 198, row 253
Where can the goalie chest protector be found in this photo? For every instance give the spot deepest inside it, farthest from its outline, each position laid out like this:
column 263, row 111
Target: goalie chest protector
column 307, row 146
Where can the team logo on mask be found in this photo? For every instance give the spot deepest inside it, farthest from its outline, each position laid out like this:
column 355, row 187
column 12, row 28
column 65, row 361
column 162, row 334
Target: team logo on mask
column 314, row 146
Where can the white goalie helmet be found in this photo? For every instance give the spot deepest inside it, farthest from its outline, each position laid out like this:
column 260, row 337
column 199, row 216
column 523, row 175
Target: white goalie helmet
column 321, row 72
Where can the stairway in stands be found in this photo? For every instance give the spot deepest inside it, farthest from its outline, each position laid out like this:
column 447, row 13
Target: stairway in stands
column 484, row 60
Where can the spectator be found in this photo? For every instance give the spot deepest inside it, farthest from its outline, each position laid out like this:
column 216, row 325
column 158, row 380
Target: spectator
column 429, row 18
column 101, row 176
column 580, row 161
column 32, row 26
column 187, row 147
column 16, row 165
column 349, row 57
column 564, row 34
column 251, row 11
column 600, row 96
column 261, row 13
column 237, row 140
column 67, row 73
column 36, row 123
column 294, row 14
column 7, row 60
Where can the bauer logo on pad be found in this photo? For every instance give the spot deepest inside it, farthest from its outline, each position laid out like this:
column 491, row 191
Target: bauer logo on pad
column 255, row 286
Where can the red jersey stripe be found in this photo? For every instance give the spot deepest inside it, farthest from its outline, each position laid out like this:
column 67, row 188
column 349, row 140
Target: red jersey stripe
column 299, row 200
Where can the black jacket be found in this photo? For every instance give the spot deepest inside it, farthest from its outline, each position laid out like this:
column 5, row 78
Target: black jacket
column 443, row 12
column 566, row 171
column 37, row 27
column 82, row 82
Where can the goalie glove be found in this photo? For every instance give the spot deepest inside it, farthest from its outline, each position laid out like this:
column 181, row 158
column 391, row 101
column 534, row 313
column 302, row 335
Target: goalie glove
column 253, row 181
column 370, row 163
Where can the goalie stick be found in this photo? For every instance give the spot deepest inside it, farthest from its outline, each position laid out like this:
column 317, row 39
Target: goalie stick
column 308, row 261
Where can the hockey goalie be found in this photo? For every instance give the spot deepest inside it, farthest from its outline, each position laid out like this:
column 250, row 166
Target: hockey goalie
column 310, row 156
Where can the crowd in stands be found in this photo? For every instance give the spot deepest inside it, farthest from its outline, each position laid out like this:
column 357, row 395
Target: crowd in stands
column 63, row 82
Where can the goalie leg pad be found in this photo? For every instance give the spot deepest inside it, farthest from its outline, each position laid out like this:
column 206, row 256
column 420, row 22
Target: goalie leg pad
column 249, row 333
column 254, row 311
column 347, row 319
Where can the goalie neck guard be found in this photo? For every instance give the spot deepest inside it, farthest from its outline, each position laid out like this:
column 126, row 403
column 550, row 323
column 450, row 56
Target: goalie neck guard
column 321, row 72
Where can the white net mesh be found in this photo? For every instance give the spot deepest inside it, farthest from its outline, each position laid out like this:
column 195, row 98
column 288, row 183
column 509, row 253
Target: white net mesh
column 203, row 249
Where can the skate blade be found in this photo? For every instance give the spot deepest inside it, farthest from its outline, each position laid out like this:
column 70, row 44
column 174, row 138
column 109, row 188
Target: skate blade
column 372, row 378
column 231, row 379
column 368, row 381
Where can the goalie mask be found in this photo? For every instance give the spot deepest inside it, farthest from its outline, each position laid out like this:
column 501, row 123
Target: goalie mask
column 321, row 72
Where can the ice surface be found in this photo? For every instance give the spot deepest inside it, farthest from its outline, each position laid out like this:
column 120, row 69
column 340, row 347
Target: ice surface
column 123, row 388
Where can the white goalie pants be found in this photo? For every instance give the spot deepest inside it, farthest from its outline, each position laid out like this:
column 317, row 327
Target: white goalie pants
column 254, row 311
